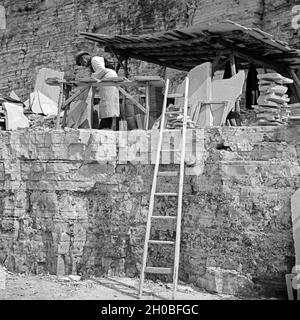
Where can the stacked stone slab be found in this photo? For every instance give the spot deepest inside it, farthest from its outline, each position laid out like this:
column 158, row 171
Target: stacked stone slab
column 273, row 101
column 294, row 116
column 175, row 120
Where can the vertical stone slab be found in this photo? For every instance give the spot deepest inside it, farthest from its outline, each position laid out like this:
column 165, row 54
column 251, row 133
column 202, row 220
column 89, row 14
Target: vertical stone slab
column 14, row 117
column 200, row 88
column 228, row 89
column 295, row 204
column 52, row 92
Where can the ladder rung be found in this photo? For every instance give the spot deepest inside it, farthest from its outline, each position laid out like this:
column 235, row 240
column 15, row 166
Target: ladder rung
column 171, row 130
column 161, row 242
column 167, row 173
column 164, row 217
column 168, row 194
column 175, row 95
column 174, row 150
column 174, row 112
column 158, row 270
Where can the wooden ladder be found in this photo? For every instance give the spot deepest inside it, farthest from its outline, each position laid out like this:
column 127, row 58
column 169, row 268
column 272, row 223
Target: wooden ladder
column 154, row 193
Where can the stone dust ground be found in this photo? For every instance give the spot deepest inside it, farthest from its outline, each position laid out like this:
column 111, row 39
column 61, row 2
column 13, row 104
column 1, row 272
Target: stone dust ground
column 49, row 287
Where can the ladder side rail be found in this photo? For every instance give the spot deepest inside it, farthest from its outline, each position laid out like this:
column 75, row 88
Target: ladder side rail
column 180, row 191
column 153, row 189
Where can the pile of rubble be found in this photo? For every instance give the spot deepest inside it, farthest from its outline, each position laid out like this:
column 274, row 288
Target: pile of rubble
column 294, row 114
column 174, row 118
column 273, row 108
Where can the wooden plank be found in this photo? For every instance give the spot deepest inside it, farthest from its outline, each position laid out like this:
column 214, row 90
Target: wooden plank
column 147, row 78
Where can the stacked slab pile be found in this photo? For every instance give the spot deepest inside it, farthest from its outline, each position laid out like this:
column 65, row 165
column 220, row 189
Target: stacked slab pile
column 273, row 101
column 175, row 118
column 12, row 113
column 294, row 116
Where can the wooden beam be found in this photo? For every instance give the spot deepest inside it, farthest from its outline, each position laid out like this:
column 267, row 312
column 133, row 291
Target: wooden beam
column 232, row 65
column 60, row 103
column 74, row 96
column 129, row 97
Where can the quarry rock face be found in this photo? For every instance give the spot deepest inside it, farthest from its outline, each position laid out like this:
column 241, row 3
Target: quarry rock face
column 74, row 202
column 45, row 34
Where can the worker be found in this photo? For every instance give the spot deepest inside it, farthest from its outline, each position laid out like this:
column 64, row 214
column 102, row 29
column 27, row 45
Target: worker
column 109, row 96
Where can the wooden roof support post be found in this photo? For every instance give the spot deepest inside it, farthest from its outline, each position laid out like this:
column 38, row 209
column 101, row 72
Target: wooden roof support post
column 232, row 65
column 126, row 68
column 215, row 64
column 296, row 84
column 120, row 62
column 233, row 72
column 146, row 120
column 60, row 104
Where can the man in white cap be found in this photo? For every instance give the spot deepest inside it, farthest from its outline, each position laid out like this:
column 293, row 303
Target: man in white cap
column 109, row 96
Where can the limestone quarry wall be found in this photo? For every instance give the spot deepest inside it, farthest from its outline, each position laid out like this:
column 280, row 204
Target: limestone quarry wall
column 45, row 33
column 76, row 202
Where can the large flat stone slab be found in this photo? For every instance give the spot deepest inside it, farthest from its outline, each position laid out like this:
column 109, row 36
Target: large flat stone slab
column 200, row 85
column 52, row 92
column 14, row 116
column 295, row 204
